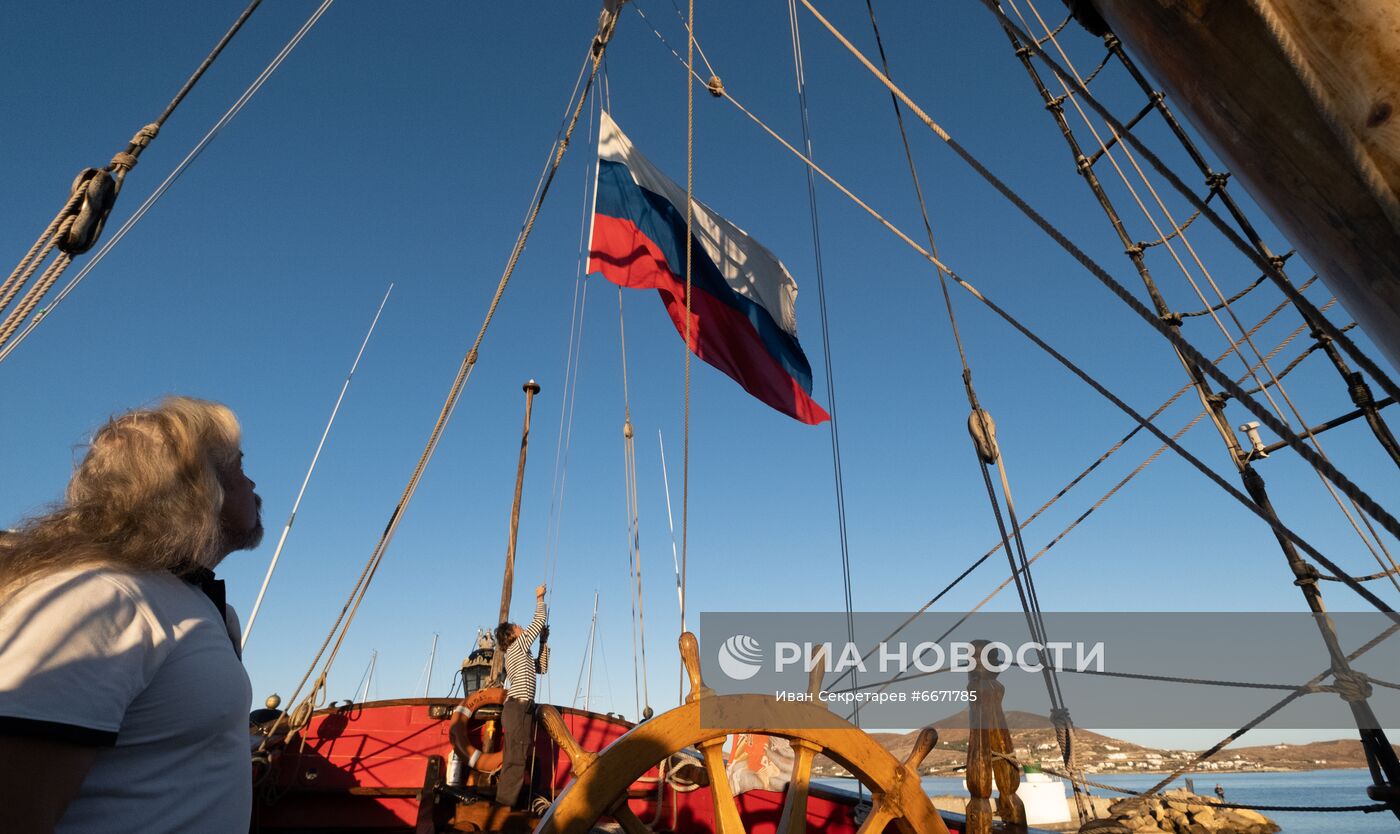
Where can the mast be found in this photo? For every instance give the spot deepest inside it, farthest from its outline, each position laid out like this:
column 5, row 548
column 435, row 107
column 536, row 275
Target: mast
column 369, row 676
column 531, row 388
column 592, row 637
column 1380, row 756
column 316, row 457
column 498, row 658
column 432, row 655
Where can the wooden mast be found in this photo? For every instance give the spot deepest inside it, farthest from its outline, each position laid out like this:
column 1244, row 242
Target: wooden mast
column 508, row 580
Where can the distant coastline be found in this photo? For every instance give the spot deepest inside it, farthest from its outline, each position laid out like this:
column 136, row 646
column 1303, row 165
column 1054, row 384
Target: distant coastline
column 1103, row 757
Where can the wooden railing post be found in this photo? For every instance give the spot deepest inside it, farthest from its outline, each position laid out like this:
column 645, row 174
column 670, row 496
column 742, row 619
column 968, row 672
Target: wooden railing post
column 979, row 752
column 989, row 749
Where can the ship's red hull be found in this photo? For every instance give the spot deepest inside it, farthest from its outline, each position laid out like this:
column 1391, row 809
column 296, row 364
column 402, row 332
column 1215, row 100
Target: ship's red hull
column 368, row 767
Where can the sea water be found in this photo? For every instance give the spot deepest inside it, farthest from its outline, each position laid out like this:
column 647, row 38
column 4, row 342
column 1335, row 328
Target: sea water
column 1316, row 787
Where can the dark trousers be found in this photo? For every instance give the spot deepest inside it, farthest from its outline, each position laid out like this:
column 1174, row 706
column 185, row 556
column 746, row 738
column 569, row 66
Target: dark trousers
column 518, row 725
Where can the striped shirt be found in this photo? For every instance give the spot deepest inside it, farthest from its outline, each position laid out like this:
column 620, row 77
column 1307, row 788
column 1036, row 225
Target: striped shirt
column 521, row 666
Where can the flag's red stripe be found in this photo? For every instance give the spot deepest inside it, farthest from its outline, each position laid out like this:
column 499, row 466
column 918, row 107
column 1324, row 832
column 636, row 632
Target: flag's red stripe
column 720, row 335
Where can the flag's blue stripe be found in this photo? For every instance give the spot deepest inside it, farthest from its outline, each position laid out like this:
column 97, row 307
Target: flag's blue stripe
column 619, row 196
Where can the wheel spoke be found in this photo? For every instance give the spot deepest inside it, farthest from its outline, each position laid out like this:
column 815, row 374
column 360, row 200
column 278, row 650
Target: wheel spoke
column 580, row 759
column 690, row 657
column 727, row 819
column 879, row 816
column 794, row 817
column 630, row 822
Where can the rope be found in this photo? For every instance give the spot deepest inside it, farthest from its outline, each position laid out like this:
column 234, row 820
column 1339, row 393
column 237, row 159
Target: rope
column 1263, row 716
column 1277, row 526
column 1075, row 481
column 37, row 253
column 675, row 555
column 1356, row 386
column 634, row 540
column 58, row 234
column 1030, row 603
column 1236, row 297
column 7, row 347
column 1179, row 231
column 1308, row 351
column 563, row 440
column 1162, row 168
column 351, row 607
column 1188, row 351
column 800, row 77
column 689, row 254
column 1225, row 304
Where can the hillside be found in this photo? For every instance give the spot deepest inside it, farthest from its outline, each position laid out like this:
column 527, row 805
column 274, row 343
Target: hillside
column 1034, row 740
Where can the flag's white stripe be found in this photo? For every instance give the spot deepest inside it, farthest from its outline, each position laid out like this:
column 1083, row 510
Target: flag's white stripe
column 747, row 266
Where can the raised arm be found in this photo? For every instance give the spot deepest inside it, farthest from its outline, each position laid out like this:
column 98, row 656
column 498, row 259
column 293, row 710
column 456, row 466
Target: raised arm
column 533, row 629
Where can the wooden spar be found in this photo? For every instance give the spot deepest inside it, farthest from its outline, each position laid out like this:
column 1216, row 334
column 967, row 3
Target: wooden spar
column 508, row 581
column 1302, row 102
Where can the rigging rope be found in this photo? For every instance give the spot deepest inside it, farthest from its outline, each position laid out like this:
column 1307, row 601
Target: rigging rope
column 573, row 360
column 1357, row 387
column 800, row 77
column 634, row 535
column 1308, row 351
column 98, row 189
column 1189, row 351
column 606, row 25
column 689, row 244
column 1075, row 481
column 1269, row 268
column 9, row 340
column 985, row 445
column 1179, row 231
column 1278, row 527
column 563, row 440
column 1147, row 423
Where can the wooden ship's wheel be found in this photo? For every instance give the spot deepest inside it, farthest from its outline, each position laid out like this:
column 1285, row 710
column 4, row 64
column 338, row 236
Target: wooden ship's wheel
column 601, row 780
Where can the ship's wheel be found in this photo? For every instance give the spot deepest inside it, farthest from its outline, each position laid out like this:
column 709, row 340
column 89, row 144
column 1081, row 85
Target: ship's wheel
column 599, row 787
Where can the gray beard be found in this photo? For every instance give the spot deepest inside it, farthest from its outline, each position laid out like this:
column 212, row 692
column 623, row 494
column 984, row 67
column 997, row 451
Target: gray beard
column 244, row 540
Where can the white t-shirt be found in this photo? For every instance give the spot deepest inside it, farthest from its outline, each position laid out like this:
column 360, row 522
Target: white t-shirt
column 139, row 665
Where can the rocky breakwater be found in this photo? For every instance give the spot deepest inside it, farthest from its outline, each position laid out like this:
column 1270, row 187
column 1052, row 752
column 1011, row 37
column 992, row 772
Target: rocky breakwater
column 1178, row 812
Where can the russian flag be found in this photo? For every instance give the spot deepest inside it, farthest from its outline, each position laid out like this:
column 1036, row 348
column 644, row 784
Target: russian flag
column 743, row 307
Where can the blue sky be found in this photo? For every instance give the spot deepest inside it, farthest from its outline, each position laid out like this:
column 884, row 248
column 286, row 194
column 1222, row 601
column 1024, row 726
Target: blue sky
column 402, row 143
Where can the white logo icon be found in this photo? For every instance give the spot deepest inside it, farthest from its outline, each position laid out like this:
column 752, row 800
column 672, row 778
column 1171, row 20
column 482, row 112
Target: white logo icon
column 740, row 657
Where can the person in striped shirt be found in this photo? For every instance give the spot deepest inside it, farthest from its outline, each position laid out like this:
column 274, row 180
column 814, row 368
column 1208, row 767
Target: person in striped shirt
column 517, row 714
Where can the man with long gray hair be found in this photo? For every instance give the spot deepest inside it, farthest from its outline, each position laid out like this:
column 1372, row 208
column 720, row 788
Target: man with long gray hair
column 123, row 700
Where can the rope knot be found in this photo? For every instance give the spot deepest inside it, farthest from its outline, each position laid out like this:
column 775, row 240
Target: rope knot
column 1359, row 390
column 1172, row 319
column 1216, row 180
column 125, row 161
column 144, row 136
column 1352, row 686
column 471, row 357
column 715, row 86
column 1306, row 573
